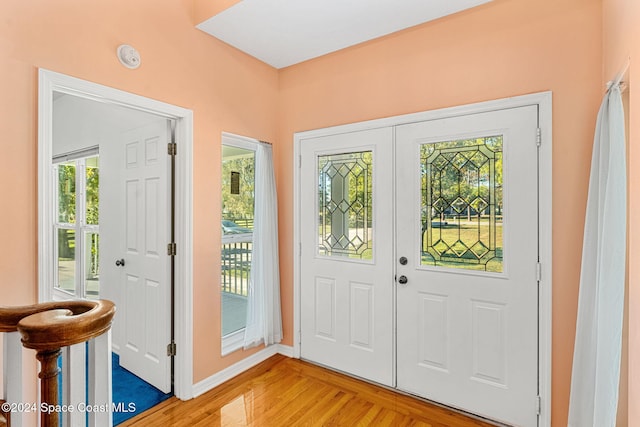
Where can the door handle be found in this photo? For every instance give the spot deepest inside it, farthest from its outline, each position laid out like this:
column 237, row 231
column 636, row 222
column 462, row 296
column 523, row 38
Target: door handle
column 120, row 262
column 403, row 280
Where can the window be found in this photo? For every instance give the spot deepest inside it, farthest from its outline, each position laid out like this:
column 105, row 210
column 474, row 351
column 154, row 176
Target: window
column 238, row 173
column 462, row 203
column 345, row 201
column 76, row 233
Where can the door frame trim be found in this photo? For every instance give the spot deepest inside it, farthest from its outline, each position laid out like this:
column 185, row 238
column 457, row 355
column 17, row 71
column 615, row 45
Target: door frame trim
column 543, row 101
column 50, row 81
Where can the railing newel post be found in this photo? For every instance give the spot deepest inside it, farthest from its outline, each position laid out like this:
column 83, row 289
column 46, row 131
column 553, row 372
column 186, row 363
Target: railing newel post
column 48, row 327
column 48, row 375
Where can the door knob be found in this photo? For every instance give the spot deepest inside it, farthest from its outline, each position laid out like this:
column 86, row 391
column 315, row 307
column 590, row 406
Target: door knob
column 403, row 280
column 120, row 262
column 403, row 260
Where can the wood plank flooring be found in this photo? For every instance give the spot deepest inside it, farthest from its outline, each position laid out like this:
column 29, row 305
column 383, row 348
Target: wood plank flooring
column 289, row 392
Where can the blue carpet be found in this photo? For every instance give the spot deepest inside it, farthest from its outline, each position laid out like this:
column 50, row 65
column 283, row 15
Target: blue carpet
column 131, row 393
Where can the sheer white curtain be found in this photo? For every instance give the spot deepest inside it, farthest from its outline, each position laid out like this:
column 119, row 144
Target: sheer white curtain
column 596, row 359
column 264, row 322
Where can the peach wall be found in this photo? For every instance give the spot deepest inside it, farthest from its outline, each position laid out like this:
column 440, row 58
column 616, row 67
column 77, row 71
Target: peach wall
column 205, row 9
column 621, row 40
column 226, row 89
column 501, row 49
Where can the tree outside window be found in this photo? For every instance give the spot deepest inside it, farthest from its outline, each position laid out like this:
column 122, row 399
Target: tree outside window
column 76, row 228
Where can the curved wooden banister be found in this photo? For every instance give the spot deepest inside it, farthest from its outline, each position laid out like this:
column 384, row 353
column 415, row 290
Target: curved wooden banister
column 49, row 326
column 10, row 316
column 68, row 324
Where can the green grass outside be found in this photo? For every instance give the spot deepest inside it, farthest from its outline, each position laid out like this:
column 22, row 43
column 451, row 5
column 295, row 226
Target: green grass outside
column 469, row 233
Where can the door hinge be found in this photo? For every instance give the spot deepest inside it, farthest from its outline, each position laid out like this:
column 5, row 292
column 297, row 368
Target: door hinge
column 172, row 249
column 538, row 137
column 538, row 272
column 300, row 160
column 538, row 405
column 171, row 349
column 172, row 148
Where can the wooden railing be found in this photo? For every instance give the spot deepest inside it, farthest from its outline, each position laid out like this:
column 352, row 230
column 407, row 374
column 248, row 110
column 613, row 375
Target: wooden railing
column 236, row 263
column 52, row 329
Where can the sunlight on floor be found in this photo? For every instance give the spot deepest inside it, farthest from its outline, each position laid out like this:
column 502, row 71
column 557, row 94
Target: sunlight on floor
column 238, row 411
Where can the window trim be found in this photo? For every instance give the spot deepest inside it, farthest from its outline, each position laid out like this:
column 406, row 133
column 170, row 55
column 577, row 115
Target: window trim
column 82, row 153
column 232, row 342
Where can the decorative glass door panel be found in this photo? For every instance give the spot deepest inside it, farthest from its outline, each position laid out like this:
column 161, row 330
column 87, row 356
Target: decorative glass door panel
column 469, row 340
column 462, row 205
column 345, row 205
column 346, row 298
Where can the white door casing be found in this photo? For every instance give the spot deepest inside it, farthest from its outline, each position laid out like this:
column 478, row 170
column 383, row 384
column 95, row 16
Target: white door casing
column 137, row 183
column 466, row 338
column 51, row 82
column 111, row 247
column 347, row 301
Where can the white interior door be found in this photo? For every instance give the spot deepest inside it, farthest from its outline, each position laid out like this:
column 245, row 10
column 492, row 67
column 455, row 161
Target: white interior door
column 467, row 224
column 346, row 253
column 135, row 217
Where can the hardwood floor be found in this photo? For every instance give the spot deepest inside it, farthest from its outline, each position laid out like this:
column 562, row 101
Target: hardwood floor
column 290, row 392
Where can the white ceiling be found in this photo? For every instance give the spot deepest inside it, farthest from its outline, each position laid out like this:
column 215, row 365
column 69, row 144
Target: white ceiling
column 286, row 32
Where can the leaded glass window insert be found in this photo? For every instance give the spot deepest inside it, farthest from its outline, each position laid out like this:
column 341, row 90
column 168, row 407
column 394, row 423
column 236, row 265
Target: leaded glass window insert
column 345, row 205
column 462, row 204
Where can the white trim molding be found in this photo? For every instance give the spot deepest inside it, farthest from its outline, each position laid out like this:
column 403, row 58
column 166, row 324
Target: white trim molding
column 50, row 82
column 232, row 342
column 543, row 101
column 236, row 369
column 285, row 350
column 545, row 236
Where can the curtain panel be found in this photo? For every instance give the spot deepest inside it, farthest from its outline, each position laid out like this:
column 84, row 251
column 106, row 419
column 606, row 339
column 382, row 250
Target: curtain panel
column 596, row 359
column 264, row 321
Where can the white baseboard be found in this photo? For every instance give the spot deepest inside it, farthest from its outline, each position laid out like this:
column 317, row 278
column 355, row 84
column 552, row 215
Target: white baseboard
column 238, row 368
column 285, row 350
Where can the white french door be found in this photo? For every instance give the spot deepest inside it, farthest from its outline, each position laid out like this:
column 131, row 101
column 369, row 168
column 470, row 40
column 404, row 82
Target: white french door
column 427, row 278
column 467, row 227
column 347, row 255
